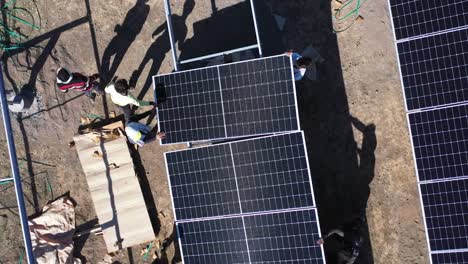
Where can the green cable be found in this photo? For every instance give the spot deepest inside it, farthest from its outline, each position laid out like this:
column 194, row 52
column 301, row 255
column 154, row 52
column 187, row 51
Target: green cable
column 48, row 185
column 6, row 182
column 22, row 20
column 94, row 116
column 12, row 2
column 354, row 13
column 17, row 36
column 20, row 261
column 148, row 249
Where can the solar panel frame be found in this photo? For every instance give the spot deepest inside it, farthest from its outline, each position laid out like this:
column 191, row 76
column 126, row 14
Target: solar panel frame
column 287, row 225
column 214, row 138
column 415, row 29
column 305, row 158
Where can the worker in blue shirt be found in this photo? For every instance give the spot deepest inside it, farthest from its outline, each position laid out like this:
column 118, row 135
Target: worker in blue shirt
column 300, row 64
column 140, row 134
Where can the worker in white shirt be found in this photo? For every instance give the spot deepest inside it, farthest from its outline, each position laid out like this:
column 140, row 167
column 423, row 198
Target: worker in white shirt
column 300, row 64
column 120, row 95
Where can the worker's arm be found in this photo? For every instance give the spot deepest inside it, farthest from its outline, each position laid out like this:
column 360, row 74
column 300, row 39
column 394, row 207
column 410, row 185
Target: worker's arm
column 160, row 29
column 109, row 87
column 335, row 231
column 332, row 232
column 135, row 101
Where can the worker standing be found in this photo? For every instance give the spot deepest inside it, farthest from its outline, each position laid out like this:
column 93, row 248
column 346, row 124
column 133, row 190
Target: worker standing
column 120, row 95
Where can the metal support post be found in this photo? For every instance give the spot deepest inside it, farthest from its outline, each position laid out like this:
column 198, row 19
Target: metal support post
column 15, row 172
column 252, row 6
column 170, row 32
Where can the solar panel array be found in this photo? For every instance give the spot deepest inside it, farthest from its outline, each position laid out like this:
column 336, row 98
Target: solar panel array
column 248, row 201
column 234, row 100
column 434, row 68
column 432, row 46
column 414, row 18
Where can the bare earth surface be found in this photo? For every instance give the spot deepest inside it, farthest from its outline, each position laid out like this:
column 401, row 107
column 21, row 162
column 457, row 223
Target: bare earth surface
column 353, row 117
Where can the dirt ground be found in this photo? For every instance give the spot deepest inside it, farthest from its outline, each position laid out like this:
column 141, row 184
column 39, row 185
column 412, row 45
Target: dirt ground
column 353, row 115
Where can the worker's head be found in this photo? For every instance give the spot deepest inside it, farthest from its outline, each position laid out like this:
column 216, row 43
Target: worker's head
column 303, row 62
column 188, row 7
column 122, row 87
column 63, row 75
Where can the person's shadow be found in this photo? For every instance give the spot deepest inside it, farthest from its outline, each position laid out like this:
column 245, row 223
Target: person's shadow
column 366, row 156
column 157, row 51
column 126, row 33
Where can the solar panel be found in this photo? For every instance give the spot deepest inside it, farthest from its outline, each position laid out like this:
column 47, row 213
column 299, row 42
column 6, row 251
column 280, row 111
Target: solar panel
column 434, row 69
column 413, row 18
column 234, row 100
column 213, row 241
column 258, row 97
column 431, row 43
column 281, row 237
column 450, row 258
column 263, row 174
column 440, row 141
column 446, row 213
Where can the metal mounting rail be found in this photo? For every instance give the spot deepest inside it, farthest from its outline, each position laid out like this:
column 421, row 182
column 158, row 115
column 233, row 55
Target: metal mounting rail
column 15, row 172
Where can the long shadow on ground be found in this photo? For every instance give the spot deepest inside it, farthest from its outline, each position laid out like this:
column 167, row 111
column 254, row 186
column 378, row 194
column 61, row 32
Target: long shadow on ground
column 341, row 171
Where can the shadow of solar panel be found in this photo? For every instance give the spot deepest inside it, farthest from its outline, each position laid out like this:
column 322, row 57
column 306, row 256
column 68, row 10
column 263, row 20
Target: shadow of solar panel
column 450, row 258
column 413, row 18
column 434, row 70
column 446, row 214
column 440, row 141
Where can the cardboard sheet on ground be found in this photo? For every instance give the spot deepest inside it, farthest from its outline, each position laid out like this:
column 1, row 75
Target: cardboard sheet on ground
column 52, row 233
column 115, row 191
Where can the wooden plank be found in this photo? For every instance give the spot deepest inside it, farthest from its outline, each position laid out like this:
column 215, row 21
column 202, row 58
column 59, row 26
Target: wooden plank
column 115, row 192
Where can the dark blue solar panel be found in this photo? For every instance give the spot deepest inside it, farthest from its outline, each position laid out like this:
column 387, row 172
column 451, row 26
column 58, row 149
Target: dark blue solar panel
column 213, row 241
column 440, row 140
column 287, row 237
column 446, row 214
column 450, row 258
column 272, row 173
column 284, row 238
column 192, row 108
column 434, row 69
column 413, row 18
column 203, row 182
column 261, row 174
column 259, row 97
column 241, row 99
